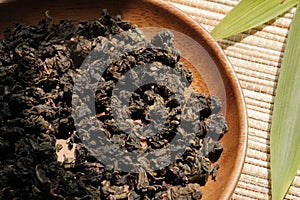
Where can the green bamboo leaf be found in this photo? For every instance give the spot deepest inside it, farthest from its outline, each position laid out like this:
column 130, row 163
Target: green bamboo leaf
column 285, row 135
column 248, row 14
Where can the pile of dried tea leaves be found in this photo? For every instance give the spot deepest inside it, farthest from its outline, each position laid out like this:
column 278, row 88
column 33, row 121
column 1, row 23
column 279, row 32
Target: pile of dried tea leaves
column 38, row 68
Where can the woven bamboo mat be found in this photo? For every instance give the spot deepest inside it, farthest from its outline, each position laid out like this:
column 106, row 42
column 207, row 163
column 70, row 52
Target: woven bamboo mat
column 256, row 57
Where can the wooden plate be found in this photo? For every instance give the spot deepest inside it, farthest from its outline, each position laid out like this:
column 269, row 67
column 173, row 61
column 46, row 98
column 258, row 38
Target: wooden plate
column 213, row 72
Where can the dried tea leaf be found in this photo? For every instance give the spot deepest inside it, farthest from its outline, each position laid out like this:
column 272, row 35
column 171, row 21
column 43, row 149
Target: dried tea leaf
column 44, row 154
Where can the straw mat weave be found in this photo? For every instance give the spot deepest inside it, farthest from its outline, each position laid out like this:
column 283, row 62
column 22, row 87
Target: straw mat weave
column 256, row 57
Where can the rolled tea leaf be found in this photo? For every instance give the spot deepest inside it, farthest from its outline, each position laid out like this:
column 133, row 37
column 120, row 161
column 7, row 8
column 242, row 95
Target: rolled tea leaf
column 285, row 135
column 248, row 14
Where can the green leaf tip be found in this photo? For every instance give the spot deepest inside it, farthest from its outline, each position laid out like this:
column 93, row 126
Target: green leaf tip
column 285, row 135
column 248, row 14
